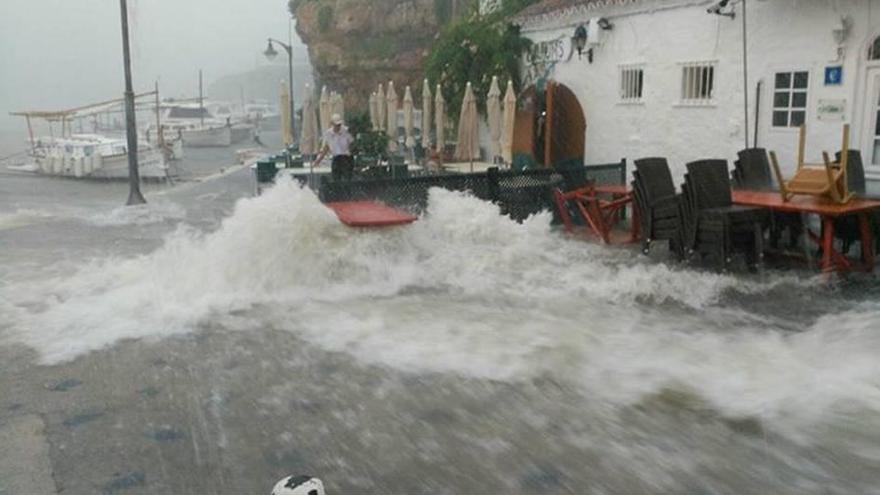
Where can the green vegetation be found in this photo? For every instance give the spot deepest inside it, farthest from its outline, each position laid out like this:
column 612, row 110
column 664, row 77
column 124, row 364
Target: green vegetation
column 366, row 141
column 443, row 11
column 379, row 46
column 371, row 143
column 474, row 49
column 358, row 122
column 325, row 17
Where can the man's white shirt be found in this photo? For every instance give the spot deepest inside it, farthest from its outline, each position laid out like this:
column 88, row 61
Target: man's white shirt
column 338, row 142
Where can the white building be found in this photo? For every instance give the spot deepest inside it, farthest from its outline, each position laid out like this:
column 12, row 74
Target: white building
column 665, row 77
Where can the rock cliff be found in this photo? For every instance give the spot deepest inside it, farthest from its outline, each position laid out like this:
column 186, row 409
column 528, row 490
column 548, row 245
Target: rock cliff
column 356, row 44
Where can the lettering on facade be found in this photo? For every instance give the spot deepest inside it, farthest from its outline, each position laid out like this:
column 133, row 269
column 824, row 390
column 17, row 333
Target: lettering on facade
column 831, row 110
column 543, row 57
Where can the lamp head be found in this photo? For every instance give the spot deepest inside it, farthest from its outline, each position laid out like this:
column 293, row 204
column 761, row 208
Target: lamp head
column 580, row 39
column 270, row 52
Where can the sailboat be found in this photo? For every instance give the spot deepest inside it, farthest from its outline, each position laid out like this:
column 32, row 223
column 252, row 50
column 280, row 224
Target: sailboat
column 84, row 155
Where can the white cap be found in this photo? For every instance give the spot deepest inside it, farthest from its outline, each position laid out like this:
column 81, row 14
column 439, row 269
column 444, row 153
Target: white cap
column 336, row 119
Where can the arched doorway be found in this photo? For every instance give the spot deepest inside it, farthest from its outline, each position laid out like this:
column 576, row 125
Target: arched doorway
column 550, row 125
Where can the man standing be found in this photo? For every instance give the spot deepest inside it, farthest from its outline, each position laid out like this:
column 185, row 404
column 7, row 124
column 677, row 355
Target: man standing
column 337, row 141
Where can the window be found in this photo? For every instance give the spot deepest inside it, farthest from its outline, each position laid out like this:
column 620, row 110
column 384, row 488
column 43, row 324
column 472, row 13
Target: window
column 632, row 81
column 874, row 50
column 790, row 98
column 698, row 83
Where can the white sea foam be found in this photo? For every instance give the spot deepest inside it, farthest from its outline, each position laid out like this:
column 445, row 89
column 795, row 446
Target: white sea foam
column 22, row 217
column 465, row 291
column 153, row 212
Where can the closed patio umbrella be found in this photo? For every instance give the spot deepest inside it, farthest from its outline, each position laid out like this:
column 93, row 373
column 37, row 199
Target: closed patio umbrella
column 391, row 115
column 408, row 118
column 373, row 111
column 337, row 105
column 308, row 141
column 440, row 120
column 508, row 119
column 380, row 108
column 493, row 110
column 468, row 148
column 426, row 115
column 324, row 109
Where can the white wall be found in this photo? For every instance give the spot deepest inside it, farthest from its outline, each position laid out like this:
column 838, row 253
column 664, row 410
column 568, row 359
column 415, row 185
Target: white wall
column 783, row 35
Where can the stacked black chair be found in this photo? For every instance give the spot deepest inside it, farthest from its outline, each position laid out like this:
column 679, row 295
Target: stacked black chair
column 847, row 228
column 752, row 171
column 658, row 204
column 717, row 226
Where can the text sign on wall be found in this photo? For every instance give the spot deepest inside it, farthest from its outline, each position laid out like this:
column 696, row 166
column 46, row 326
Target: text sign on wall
column 546, row 52
column 831, row 110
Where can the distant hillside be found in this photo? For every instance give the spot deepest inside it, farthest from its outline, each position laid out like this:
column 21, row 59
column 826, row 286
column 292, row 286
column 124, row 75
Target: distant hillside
column 262, row 83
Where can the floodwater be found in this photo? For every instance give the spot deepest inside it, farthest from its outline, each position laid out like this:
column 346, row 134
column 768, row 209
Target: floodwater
column 214, row 342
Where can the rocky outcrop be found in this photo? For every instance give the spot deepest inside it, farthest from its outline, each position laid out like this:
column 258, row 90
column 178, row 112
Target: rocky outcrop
column 356, row 44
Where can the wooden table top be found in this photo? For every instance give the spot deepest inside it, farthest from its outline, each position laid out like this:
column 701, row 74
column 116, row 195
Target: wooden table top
column 612, row 188
column 803, row 203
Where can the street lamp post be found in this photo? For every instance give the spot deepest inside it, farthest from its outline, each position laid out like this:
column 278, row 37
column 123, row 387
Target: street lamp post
column 134, row 194
column 270, row 54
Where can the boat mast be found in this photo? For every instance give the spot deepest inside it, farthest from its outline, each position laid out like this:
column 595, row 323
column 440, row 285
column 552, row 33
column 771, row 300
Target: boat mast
column 160, row 138
column 201, row 99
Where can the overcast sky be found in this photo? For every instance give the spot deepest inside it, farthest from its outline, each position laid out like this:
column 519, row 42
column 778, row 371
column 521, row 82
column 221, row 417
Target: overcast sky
column 63, row 53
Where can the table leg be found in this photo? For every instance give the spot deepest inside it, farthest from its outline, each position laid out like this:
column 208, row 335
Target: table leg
column 867, row 237
column 827, row 244
column 592, row 220
column 563, row 210
column 635, row 227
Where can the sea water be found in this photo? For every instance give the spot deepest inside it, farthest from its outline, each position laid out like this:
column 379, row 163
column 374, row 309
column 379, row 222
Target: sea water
column 465, row 353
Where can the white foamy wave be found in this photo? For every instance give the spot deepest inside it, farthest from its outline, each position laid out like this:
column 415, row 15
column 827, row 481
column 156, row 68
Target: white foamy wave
column 153, row 212
column 463, row 290
column 22, row 217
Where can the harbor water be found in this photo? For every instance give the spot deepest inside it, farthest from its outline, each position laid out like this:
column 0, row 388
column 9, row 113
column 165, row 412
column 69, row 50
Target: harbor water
column 212, row 341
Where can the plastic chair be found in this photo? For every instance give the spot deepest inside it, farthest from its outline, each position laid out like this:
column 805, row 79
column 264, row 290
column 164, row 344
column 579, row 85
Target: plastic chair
column 720, row 227
column 658, row 204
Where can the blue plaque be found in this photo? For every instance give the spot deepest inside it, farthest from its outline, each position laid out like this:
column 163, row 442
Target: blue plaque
column 834, row 75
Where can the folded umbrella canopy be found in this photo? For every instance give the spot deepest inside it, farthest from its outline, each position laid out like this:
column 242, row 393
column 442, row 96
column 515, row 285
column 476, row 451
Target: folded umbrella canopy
column 493, row 111
column 408, row 118
column 468, row 148
column 337, row 105
column 309, row 137
column 373, row 122
column 324, row 109
column 380, row 108
column 391, row 115
column 508, row 122
column 426, row 115
column 440, row 120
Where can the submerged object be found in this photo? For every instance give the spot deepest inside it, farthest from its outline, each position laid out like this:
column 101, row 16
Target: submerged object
column 299, row 485
column 370, row 214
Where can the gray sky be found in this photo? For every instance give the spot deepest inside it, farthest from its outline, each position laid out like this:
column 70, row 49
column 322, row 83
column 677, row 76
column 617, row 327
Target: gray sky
column 63, row 53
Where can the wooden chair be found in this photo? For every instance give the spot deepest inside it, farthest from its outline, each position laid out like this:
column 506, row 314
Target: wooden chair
column 825, row 179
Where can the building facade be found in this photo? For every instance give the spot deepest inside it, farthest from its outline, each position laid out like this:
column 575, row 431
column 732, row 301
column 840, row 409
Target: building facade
column 667, row 77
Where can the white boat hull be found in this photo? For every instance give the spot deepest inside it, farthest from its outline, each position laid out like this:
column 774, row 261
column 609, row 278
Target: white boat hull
column 151, row 165
column 242, row 133
column 207, row 137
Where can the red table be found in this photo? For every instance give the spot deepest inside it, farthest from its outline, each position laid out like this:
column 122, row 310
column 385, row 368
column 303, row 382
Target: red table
column 827, row 210
column 600, row 214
